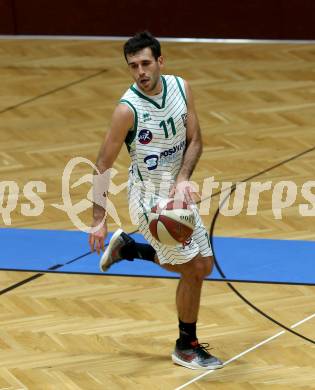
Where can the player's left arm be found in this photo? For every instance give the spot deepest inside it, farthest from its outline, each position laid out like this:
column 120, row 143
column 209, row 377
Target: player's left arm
column 193, row 148
column 193, row 139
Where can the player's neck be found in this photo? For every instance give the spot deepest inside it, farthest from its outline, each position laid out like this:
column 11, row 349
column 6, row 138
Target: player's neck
column 156, row 91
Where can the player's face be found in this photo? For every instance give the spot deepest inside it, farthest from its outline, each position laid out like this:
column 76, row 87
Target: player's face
column 146, row 70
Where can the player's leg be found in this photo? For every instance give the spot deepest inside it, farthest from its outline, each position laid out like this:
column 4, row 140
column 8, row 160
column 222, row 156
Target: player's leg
column 189, row 287
column 188, row 352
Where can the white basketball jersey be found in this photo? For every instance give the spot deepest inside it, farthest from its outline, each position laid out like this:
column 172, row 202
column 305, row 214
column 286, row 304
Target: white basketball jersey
column 157, row 142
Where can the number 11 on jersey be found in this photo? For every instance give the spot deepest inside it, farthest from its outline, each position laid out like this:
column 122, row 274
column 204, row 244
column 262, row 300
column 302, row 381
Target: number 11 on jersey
column 163, row 125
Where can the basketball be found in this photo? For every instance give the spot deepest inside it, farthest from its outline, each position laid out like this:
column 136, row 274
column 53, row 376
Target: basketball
column 172, row 222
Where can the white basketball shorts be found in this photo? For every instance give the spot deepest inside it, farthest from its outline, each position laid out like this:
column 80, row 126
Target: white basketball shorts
column 179, row 254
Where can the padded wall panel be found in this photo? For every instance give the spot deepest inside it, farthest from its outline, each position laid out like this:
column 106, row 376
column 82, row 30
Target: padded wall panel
column 6, row 17
column 272, row 19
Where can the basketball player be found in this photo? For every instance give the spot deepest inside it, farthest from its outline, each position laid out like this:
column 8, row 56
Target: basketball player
column 156, row 119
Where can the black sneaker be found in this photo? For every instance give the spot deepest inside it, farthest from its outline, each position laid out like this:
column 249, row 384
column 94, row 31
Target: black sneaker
column 196, row 357
column 112, row 253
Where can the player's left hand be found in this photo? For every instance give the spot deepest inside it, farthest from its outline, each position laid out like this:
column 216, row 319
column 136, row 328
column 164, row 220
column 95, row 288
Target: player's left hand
column 185, row 190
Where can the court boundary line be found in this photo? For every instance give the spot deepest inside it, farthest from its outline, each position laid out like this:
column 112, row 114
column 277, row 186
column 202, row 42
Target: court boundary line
column 246, row 352
column 53, row 270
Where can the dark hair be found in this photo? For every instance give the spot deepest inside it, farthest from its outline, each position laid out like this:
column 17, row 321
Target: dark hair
column 140, row 41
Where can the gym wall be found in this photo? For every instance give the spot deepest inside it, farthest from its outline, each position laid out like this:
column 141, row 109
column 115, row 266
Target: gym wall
column 6, row 17
column 253, row 19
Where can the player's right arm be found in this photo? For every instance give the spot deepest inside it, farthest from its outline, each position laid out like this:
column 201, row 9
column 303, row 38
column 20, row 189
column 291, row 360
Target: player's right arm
column 122, row 122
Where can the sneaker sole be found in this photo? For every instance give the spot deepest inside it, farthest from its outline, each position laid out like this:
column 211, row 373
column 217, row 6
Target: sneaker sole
column 194, row 366
column 103, row 262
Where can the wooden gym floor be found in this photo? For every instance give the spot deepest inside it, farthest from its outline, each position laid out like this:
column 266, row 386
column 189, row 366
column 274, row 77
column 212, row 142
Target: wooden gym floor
column 256, row 108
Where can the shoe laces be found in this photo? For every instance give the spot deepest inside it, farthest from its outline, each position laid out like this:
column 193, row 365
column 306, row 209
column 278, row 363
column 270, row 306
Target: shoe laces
column 203, row 350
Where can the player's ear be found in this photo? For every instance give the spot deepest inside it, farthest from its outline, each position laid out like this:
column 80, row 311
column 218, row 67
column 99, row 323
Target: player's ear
column 161, row 61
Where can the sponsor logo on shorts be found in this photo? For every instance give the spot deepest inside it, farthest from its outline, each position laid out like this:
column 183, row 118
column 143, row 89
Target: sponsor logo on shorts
column 187, row 218
column 145, row 136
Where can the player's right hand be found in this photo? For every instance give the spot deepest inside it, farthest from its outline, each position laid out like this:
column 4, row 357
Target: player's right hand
column 96, row 239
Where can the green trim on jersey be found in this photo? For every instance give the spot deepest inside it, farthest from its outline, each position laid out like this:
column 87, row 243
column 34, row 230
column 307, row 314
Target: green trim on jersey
column 139, row 174
column 131, row 134
column 181, row 90
column 150, row 100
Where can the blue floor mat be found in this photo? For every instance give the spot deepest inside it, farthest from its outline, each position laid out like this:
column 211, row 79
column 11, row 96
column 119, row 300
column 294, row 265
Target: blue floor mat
column 241, row 259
